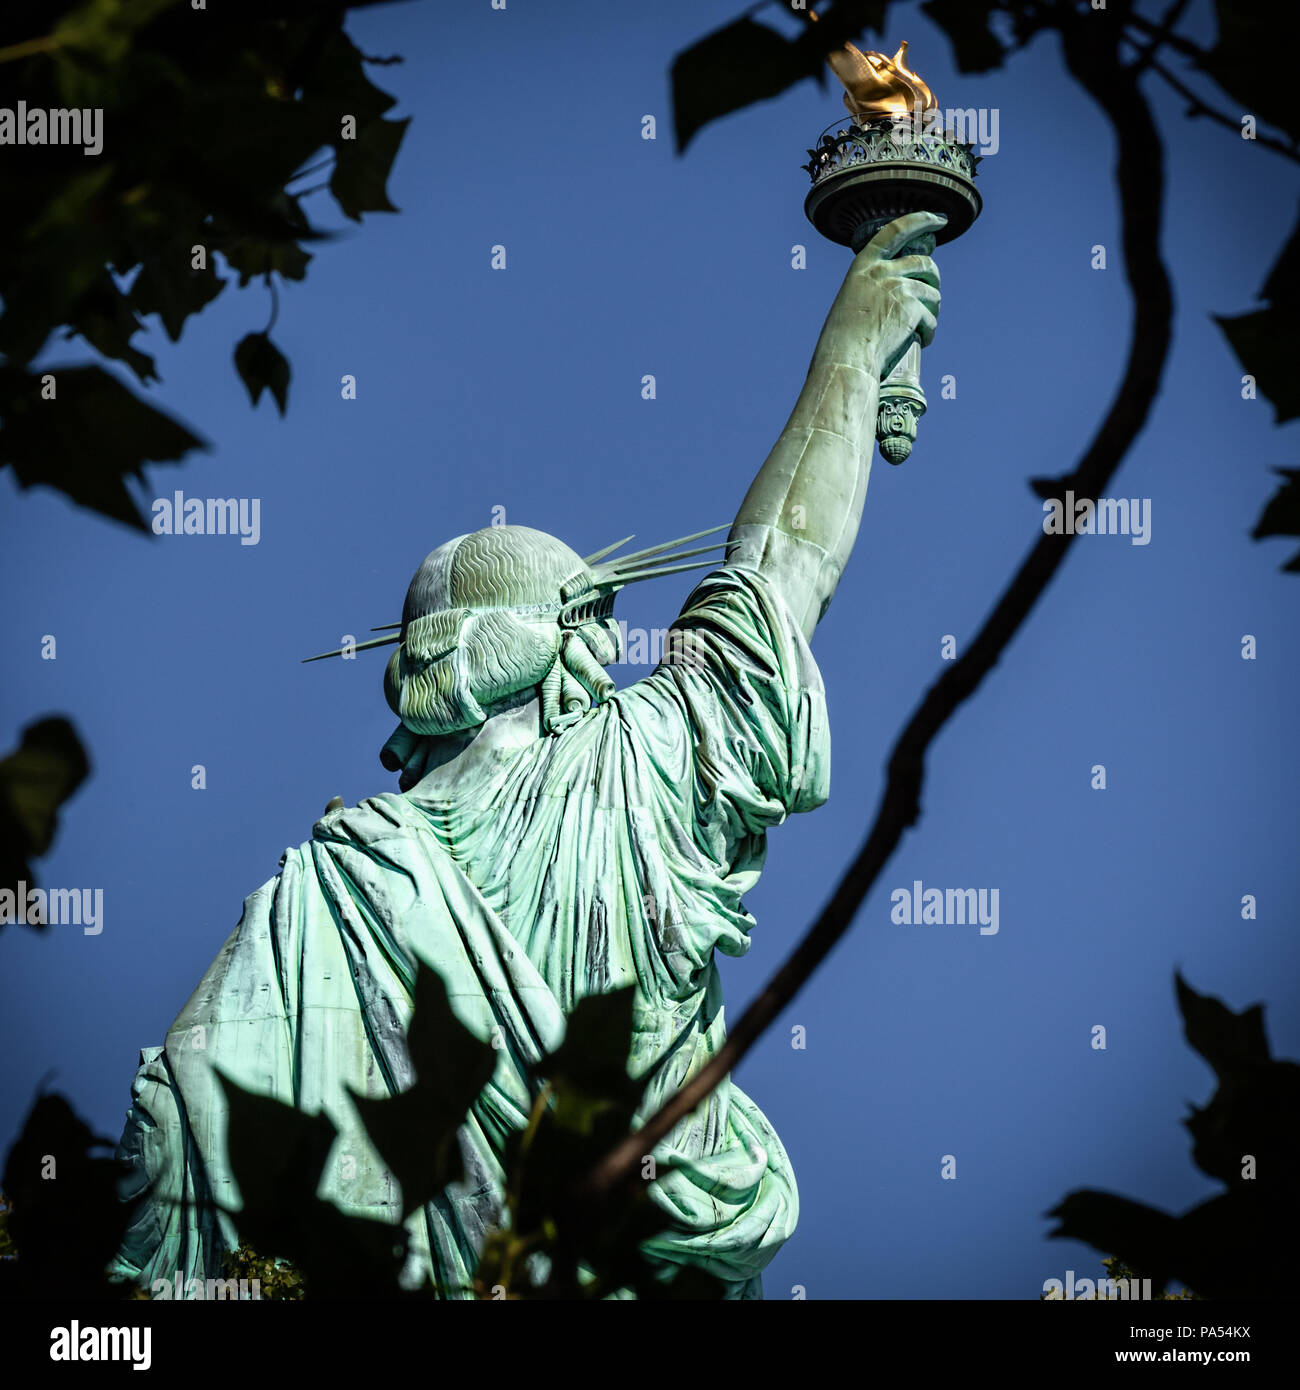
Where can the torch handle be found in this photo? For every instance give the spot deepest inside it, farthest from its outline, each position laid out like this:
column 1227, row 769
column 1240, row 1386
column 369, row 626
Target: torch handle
column 902, row 401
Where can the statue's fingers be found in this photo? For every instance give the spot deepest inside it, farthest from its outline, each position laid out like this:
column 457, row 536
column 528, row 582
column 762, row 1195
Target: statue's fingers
column 916, row 268
column 928, row 294
column 893, row 236
column 925, row 326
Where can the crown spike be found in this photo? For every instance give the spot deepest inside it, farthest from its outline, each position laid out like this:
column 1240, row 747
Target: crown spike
column 610, row 572
column 600, row 554
column 669, row 545
column 636, row 575
column 359, row 647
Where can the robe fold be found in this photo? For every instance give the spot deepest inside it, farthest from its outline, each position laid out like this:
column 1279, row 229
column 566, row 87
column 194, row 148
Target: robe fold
column 614, row 853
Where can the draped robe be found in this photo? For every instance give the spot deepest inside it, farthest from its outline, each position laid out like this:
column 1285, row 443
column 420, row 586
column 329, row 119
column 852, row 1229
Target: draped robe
column 614, row 853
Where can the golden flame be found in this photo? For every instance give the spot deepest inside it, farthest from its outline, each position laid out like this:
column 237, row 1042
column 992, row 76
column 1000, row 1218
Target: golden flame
column 875, row 85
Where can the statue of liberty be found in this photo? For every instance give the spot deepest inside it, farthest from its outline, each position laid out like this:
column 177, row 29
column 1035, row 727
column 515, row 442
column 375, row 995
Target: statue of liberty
column 553, row 838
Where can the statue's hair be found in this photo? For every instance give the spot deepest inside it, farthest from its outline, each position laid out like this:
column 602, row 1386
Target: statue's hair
column 497, row 567
column 495, row 655
column 481, row 623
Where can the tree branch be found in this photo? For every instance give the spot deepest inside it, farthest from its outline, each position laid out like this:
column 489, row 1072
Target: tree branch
column 1090, row 44
column 1162, row 33
column 1197, row 106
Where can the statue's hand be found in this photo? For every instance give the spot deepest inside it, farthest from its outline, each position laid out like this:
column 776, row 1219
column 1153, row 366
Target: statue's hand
column 887, row 299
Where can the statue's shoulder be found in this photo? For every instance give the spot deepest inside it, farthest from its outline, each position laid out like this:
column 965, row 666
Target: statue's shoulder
column 374, row 817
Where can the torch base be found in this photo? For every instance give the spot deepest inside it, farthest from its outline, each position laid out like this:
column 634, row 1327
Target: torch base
column 864, row 176
column 850, row 208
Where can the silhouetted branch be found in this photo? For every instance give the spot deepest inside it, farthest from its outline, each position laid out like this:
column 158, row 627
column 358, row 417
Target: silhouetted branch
column 1160, row 30
column 1161, row 34
column 1197, row 106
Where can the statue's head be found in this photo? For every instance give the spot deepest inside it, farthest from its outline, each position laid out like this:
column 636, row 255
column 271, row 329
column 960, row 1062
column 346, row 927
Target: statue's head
column 498, row 613
column 494, row 613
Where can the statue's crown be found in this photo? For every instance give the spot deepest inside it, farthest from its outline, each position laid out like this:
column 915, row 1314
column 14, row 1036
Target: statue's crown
column 527, row 573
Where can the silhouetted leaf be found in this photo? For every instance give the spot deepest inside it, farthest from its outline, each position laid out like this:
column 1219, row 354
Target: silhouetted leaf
column 543, row 1174
column 1228, row 1041
column 277, row 1155
column 1264, row 340
column 1281, row 516
column 360, row 178
column 1239, row 1244
column 88, row 439
column 1265, row 346
column 1146, row 1239
column 256, row 256
column 593, row 1103
column 729, row 69
column 1256, row 1108
column 609, row 1239
column 588, row 1071
column 745, row 62
column 1253, row 58
column 201, row 140
column 966, row 22
column 107, row 321
column 263, row 367
column 166, row 286
column 66, row 1221
column 274, row 247
column 415, row 1131
column 339, row 83
column 35, row 780
column 582, row 1236
column 51, row 257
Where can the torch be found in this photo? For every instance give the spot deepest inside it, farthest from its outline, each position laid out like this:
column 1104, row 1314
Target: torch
column 894, row 156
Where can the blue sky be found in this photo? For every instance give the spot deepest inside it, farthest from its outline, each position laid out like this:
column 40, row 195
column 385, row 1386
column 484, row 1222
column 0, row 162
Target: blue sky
column 522, row 389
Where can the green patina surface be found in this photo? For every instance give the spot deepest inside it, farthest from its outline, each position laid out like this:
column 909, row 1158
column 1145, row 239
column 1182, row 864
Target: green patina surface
column 553, row 838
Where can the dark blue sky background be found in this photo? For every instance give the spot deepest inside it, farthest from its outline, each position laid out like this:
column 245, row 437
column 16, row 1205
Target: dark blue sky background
column 522, row 389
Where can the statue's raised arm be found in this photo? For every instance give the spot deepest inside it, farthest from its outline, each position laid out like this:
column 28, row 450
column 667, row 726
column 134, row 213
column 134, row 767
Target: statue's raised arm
column 800, row 516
